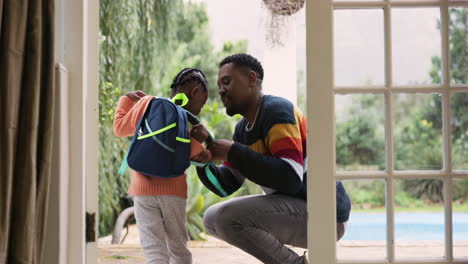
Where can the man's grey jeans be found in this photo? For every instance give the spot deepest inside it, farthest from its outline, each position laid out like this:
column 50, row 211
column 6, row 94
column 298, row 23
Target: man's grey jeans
column 262, row 225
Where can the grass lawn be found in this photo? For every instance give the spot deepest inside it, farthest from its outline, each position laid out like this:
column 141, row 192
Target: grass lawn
column 461, row 208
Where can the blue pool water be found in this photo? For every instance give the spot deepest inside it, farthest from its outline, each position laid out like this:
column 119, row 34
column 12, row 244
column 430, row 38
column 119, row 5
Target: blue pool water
column 408, row 226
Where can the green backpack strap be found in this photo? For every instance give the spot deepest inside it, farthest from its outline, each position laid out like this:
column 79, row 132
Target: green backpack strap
column 198, row 164
column 212, row 178
column 124, row 164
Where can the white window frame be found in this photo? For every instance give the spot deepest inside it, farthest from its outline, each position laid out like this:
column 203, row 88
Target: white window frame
column 321, row 128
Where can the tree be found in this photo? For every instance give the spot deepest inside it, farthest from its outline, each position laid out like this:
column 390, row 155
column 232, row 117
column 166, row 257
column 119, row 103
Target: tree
column 143, row 44
column 360, row 138
column 418, row 136
column 458, row 57
column 458, row 45
column 132, row 35
column 194, row 48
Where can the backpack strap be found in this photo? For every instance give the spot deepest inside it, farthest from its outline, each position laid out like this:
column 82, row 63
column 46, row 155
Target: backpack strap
column 195, row 121
column 124, row 164
column 197, row 164
column 212, row 178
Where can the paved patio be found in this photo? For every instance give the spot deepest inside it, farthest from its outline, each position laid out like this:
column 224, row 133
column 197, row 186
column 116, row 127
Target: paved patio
column 214, row 251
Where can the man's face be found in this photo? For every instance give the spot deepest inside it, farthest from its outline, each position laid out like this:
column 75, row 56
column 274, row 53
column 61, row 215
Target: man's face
column 233, row 84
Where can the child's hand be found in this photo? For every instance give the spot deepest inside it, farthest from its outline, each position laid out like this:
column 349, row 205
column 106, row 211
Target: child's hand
column 202, row 157
column 199, row 133
column 135, row 95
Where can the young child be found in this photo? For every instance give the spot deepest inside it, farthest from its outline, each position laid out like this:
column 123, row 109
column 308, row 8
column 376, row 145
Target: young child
column 160, row 202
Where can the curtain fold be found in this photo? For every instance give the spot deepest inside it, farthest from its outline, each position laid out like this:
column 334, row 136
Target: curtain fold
column 26, row 119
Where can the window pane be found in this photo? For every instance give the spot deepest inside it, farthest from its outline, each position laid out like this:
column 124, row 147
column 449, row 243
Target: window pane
column 460, row 218
column 367, row 222
column 458, row 45
column 416, row 46
column 360, row 133
column 419, row 219
column 459, row 107
column 417, row 131
column 358, row 47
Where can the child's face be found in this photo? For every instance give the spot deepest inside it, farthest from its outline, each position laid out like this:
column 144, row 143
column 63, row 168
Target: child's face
column 197, row 101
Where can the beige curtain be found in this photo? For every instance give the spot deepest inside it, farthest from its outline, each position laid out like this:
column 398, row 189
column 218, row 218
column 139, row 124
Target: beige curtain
column 26, row 121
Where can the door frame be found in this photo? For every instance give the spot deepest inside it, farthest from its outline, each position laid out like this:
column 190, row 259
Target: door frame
column 77, row 55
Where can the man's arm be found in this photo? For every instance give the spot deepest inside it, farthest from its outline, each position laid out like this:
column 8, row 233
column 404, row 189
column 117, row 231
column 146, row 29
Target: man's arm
column 282, row 169
column 222, row 180
column 272, row 172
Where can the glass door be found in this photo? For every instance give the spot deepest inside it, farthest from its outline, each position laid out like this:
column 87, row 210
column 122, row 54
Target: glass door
column 388, row 92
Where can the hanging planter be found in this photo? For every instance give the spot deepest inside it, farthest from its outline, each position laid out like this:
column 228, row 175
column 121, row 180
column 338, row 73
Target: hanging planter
column 284, row 7
column 280, row 13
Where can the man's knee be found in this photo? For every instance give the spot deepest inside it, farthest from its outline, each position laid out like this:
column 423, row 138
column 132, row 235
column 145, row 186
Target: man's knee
column 209, row 219
column 221, row 219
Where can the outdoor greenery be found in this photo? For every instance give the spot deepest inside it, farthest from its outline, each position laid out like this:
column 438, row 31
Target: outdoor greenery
column 143, row 44
column 360, row 142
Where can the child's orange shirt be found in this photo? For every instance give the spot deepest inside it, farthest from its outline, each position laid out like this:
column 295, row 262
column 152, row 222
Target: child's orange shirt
column 126, row 119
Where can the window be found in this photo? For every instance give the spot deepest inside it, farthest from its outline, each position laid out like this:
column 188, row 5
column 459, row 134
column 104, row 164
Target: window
column 398, row 75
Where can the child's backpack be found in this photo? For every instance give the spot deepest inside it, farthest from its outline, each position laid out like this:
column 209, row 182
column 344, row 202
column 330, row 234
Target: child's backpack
column 161, row 144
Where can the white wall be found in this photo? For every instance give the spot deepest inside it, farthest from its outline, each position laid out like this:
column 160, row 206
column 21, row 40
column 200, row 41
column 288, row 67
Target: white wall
column 249, row 19
column 280, row 66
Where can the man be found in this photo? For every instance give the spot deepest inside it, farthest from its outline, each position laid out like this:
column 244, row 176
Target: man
column 269, row 149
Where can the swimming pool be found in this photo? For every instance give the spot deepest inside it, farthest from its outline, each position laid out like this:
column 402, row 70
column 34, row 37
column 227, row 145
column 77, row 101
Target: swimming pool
column 408, row 226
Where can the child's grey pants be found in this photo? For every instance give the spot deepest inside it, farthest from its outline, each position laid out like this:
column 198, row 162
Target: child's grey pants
column 163, row 235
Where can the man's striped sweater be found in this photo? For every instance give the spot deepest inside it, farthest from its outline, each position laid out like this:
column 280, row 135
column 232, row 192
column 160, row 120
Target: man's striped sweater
column 271, row 153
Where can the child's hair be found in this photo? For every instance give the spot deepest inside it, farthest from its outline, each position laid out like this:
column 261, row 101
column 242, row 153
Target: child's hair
column 187, row 75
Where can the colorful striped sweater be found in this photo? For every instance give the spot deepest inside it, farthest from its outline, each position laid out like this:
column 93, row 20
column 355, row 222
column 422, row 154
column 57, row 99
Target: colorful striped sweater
column 272, row 154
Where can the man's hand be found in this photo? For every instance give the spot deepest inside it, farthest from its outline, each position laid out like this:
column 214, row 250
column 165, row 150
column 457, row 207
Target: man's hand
column 199, row 133
column 202, row 157
column 135, row 95
column 220, row 148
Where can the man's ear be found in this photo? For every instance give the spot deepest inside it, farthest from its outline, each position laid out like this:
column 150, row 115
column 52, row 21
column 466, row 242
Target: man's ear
column 252, row 78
